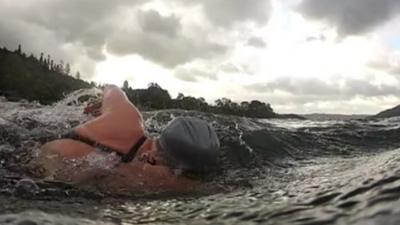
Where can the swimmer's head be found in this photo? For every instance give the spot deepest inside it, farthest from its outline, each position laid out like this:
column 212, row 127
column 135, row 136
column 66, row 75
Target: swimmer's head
column 189, row 144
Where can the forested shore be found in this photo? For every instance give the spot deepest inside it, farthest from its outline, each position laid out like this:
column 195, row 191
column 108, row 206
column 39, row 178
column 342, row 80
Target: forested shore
column 40, row 78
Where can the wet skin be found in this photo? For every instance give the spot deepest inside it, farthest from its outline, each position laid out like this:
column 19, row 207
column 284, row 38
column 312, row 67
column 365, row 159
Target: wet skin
column 118, row 125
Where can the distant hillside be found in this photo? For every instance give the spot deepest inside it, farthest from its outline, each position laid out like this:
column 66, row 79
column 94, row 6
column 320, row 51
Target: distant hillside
column 23, row 77
column 322, row 116
column 389, row 113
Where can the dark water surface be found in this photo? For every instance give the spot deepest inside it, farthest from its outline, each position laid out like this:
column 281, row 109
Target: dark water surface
column 272, row 172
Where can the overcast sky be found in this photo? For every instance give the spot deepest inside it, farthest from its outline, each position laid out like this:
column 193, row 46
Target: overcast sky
column 333, row 56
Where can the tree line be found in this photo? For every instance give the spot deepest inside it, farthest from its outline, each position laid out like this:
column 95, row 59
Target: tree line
column 155, row 97
column 43, row 80
column 35, row 78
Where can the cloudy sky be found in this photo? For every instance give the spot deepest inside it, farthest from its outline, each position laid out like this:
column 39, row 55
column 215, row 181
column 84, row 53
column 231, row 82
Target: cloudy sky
column 302, row 56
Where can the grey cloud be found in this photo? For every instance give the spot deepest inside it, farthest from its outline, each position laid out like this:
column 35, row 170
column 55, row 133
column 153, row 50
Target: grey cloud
column 312, row 89
column 185, row 76
column 319, row 37
column 152, row 21
column 226, row 13
column 262, row 91
column 193, row 75
column 74, row 29
column 33, row 40
column 78, row 21
column 364, row 88
column 351, row 16
column 383, row 64
column 306, row 86
column 257, row 42
column 68, row 30
column 229, row 68
column 164, row 49
column 396, row 71
column 242, row 68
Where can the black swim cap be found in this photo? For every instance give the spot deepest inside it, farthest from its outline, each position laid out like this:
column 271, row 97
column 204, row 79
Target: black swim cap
column 191, row 143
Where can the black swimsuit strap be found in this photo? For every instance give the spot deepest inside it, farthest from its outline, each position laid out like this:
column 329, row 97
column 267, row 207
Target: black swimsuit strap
column 125, row 158
column 132, row 152
column 75, row 136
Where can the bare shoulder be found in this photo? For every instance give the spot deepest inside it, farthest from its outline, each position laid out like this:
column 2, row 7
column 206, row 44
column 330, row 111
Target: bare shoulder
column 67, row 148
column 52, row 156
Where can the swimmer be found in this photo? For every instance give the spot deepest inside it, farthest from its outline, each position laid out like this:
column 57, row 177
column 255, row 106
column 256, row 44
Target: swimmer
column 187, row 145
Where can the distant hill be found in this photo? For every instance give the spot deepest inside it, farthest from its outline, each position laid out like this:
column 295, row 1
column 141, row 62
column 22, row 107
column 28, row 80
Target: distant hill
column 23, row 77
column 389, row 113
column 322, row 116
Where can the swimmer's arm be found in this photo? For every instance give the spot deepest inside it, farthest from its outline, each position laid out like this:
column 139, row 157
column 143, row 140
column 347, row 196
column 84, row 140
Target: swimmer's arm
column 113, row 96
column 129, row 178
column 143, row 177
column 86, row 176
column 110, row 180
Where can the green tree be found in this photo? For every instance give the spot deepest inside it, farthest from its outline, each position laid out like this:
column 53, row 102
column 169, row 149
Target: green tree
column 48, row 61
column 180, row 96
column 154, row 85
column 67, row 69
column 19, row 49
column 62, row 68
column 22, row 77
column 41, row 58
column 125, row 86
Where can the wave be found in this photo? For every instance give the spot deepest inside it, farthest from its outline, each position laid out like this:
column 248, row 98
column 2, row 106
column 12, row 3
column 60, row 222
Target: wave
column 272, row 170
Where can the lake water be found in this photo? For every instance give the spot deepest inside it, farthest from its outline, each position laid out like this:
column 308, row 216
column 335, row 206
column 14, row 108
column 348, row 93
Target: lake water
column 272, row 172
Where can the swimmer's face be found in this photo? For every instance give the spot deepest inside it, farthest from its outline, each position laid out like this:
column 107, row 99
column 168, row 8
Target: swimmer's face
column 151, row 156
